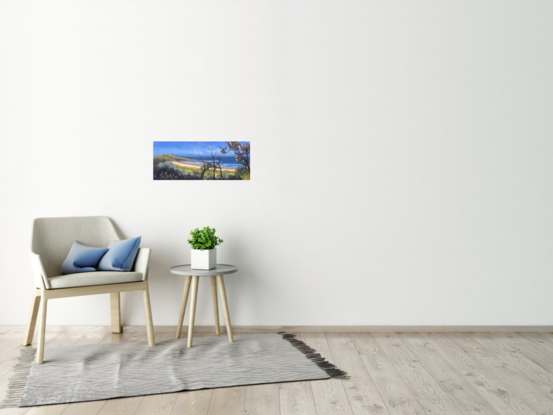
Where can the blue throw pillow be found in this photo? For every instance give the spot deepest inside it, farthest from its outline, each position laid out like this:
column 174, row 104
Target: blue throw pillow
column 120, row 255
column 82, row 259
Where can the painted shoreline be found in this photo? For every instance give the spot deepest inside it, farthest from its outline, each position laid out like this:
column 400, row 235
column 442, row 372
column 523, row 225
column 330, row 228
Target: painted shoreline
column 182, row 163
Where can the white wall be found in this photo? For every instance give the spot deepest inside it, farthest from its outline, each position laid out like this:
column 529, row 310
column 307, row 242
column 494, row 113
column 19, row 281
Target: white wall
column 402, row 154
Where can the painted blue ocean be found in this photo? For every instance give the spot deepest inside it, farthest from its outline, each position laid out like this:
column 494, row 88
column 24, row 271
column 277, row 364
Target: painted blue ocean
column 226, row 161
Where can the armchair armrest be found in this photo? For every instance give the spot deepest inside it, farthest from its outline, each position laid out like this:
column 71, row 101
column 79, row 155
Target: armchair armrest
column 39, row 274
column 141, row 263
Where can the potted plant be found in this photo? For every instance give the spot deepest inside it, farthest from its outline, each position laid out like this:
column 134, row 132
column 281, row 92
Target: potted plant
column 204, row 253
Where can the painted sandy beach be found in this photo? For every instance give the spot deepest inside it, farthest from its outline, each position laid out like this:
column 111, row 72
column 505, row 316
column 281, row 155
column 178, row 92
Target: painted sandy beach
column 196, row 166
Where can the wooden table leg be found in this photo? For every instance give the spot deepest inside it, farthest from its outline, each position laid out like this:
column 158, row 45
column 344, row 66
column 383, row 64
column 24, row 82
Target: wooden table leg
column 215, row 304
column 193, row 298
column 223, row 293
column 183, row 304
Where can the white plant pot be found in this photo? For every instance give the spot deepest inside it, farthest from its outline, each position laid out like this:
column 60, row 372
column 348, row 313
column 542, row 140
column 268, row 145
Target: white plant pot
column 206, row 259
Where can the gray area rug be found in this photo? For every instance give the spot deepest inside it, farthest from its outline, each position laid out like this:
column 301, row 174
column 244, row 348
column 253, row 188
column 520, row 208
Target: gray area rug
column 105, row 371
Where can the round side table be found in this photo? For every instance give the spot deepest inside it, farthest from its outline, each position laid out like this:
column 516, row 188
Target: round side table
column 193, row 277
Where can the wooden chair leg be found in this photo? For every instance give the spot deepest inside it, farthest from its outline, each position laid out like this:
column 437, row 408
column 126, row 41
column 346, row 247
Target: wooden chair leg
column 215, row 304
column 183, row 304
column 223, row 293
column 31, row 324
column 115, row 305
column 148, row 314
column 193, row 298
column 42, row 330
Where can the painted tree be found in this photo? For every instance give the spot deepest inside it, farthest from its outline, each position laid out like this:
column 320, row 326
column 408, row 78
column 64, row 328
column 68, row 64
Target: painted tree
column 214, row 153
column 205, row 165
column 219, row 164
column 241, row 152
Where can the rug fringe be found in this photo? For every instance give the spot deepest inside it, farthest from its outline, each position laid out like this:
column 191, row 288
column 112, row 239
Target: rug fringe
column 18, row 381
column 315, row 357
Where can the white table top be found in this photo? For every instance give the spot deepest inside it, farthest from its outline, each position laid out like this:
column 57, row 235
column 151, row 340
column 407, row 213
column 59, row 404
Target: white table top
column 221, row 269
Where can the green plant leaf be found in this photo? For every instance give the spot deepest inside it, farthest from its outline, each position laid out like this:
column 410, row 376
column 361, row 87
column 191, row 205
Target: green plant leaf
column 204, row 238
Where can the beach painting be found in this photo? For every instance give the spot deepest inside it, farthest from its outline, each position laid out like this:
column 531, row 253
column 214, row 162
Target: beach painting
column 201, row 160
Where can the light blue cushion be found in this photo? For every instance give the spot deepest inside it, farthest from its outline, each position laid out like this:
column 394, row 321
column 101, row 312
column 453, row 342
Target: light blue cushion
column 120, row 255
column 82, row 259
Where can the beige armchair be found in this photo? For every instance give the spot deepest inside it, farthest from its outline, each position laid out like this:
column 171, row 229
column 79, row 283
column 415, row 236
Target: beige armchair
column 51, row 242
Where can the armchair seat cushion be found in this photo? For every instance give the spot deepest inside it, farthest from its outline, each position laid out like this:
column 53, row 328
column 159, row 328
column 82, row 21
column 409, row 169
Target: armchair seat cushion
column 93, row 278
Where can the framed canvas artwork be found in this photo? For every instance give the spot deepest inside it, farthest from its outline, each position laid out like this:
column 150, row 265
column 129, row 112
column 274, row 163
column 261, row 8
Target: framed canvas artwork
column 202, row 160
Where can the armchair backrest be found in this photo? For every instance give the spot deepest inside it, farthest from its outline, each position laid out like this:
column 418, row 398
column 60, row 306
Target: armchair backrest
column 52, row 238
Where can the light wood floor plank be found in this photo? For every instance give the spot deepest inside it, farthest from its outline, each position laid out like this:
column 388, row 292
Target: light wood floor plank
column 139, row 336
column 228, row 401
column 84, row 408
column 47, row 410
column 346, row 356
column 516, row 344
column 157, row 404
column 518, row 386
column 394, row 391
column 467, row 399
column 12, row 338
column 468, row 343
column 547, row 336
column 411, row 370
column 193, row 402
column 263, row 399
column 512, row 373
column 121, row 406
column 6, row 331
column 67, row 337
column 330, row 396
column 540, row 377
column 125, row 336
column 14, row 411
column 364, row 398
column 537, row 349
column 537, row 340
column 164, row 335
column 296, row 398
column 492, row 387
column 9, row 339
column 440, row 407
column 93, row 335
column 525, row 346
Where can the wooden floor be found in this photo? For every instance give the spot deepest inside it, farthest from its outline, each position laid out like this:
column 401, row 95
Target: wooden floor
column 391, row 373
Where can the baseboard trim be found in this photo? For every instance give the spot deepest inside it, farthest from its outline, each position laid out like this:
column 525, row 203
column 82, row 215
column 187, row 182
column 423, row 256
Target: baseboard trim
column 373, row 329
column 334, row 329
